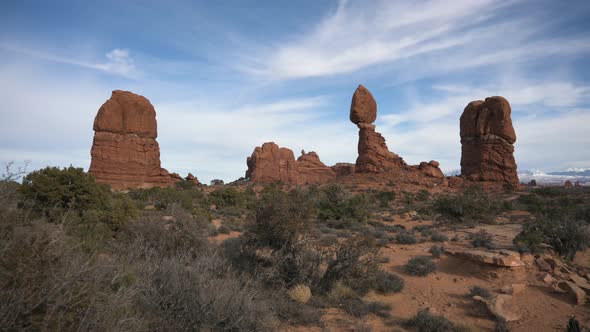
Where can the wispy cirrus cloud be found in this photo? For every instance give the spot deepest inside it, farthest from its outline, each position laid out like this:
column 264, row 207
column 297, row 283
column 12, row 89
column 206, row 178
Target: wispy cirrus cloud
column 451, row 35
column 117, row 61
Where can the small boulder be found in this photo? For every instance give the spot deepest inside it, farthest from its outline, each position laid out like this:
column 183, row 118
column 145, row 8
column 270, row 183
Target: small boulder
column 571, row 288
column 363, row 108
column 513, row 289
column 501, row 306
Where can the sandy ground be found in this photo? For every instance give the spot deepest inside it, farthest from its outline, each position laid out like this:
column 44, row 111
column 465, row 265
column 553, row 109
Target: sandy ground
column 540, row 308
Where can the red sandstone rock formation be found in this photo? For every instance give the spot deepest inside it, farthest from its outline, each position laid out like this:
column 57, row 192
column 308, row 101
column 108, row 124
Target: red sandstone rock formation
column 431, row 169
column 125, row 153
column 313, row 170
column 270, row 163
column 191, row 178
column 343, row 169
column 363, row 108
column 568, row 184
column 374, row 156
column 487, row 138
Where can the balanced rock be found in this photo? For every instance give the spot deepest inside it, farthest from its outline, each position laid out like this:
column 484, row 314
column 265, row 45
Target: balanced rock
column 125, row 153
column 487, row 138
column 269, row 163
column 313, row 170
column 363, row 108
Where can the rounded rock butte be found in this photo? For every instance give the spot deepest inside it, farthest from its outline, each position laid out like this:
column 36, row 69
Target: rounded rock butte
column 125, row 153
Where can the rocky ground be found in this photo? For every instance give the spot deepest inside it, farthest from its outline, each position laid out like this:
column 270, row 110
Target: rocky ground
column 532, row 292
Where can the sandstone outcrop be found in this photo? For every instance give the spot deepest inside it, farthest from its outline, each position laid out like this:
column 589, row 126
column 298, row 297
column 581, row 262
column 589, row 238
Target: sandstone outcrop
column 374, row 156
column 568, row 184
column 125, row 153
column 502, row 258
column 313, row 170
column 191, row 178
column 487, row 138
column 269, row 163
column 343, row 169
column 431, row 169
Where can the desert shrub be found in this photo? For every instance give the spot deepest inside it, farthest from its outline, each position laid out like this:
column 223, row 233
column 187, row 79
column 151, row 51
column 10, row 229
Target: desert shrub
column 295, row 313
column 501, row 325
column 425, row 230
column 424, row 321
column 230, row 197
column 52, row 188
column 216, row 182
column 223, row 229
column 355, row 262
column 420, row 266
column 300, row 293
column 405, row 238
column 386, row 283
column 336, row 205
column 422, row 195
column 358, row 308
column 436, row 251
column 566, row 235
column 438, row 237
column 481, row 239
column 279, row 219
column 471, row 206
column 384, row 198
column 191, row 198
column 328, row 240
column 480, row 291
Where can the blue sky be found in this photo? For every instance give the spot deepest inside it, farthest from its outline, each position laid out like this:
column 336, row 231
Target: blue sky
column 226, row 76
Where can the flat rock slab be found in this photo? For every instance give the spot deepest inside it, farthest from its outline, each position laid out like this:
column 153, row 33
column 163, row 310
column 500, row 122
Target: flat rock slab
column 504, row 258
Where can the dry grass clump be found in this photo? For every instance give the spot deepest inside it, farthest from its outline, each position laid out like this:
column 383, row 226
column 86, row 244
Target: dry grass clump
column 300, row 293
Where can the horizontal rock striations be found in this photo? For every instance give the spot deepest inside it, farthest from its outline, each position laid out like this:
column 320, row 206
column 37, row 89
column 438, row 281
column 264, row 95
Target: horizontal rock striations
column 487, row 138
column 125, row 153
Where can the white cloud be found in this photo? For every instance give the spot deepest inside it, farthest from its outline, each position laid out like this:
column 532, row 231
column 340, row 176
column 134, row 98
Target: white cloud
column 447, row 35
column 118, row 61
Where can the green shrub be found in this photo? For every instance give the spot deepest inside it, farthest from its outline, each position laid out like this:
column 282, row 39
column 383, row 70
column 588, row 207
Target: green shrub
column 223, row 229
column 471, row 206
column 427, row 322
column 480, row 291
column 405, row 238
column 336, row 205
column 384, row 198
column 231, row 197
column 52, row 188
column 387, row 283
column 438, row 237
column 436, row 251
column 481, row 239
column 566, row 235
column 422, row 195
column 420, row 266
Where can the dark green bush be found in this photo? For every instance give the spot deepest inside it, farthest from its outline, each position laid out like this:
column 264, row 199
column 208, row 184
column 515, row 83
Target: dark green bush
column 405, row 238
column 438, row 237
column 480, row 291
column 436, row 251
column 481, row 239
column 420, row 266
column 67, row 189
column 384, row 198
column 422, row 195
column 566, row 235
column 336, row 205
column 471, row 206
column 427, row 322
column 386, row 283
column 231, row 197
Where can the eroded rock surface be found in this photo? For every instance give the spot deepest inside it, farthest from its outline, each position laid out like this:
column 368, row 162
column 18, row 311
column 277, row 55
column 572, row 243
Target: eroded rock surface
column 125, row 153
column 431, row 169
column 270, row 163
column 363, row 108
column 487, row 138
column 313, row 170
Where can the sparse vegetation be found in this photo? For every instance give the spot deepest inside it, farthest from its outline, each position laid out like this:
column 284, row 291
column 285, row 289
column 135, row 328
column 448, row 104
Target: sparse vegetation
column 436, row 251
column 424, row 321
column 405, row 238
column 481, row 239
column 420, row 266
column 480, row 291
column 472, row 206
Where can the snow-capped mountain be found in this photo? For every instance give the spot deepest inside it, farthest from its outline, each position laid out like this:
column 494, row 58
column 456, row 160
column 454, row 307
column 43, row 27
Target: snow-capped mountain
column 555, row 178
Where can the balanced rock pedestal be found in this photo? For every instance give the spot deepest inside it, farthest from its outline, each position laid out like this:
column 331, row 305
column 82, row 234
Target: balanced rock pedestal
column 374, row 156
